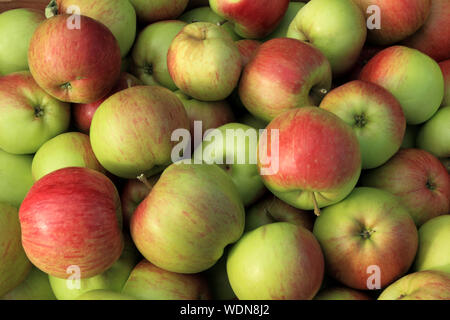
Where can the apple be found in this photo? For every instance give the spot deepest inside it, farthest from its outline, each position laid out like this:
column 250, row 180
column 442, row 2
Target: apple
column 433, row 38
column 35, row 287
column 398, row 19
column 434, row 135
column 191, row 214
column 29, row 115
column 283, row 27
column 150, row 53
column 14, row 265
column 118, row 16
column 84, row 69
column 409, row 139
column 375, row 116
column 445, row 68
column 284, row 74
column 434, row 241
column 156, row 10
column 234, row 146
column 271, row 210
column 15, row 177
column 16, row 28
column 70, row 149
column 317, row 156
column 251, row 19
column 217, row 278
column 148, row 282
column 131, row 130
column 369, row 229
column 204, row 62
column 418, row 179
column 412, row 77
column 423, row 285
column 72, row 218
column 247, row 49
column 103, row 294
column 336, row 28
column 341, row 293
column 278, row 261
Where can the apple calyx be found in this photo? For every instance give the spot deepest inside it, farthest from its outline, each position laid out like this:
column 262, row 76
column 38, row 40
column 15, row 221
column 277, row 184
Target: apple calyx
column 316, row 206
column 38, row 112
column 66, row 86
column 51, row 10
column 148, row 69
column 366, row 233
column 430, row 185
column 360, row 120
column 142, row 178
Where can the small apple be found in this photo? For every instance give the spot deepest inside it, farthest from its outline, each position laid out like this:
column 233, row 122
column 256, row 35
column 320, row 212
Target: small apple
column 434, row 135
column 341, row 293
column 445, row 68
column 156, row 10
column 35, row 287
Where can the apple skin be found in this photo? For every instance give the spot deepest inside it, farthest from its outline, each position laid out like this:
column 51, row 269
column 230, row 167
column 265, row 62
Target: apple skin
column 252, row 19
column 412, row 77
column 35, row 287
column 247, row 49
column 16, row 28
column 201, row 224
column 284, row 74
column 15, row 177
column 434, row 135
column 370, row 227
column 70, row 149
column 374, row 114
column 419, row 180
column 83, row 70
column 118, row 16
column 154, row 113
column 150, row 53
column 72, row 216
column 283, row 27
column 204, row 62
column 445, row 68
column 336, row 28
column 433, row 38
column 341, row 293
column 82, row 113
column 148, row 282
column 14, row 265
column 399, row 19
column 319, row 157
column 278, row 261
column 103, row 294
column 271, row 210
column 434, row 241
column 29, row 115
column 423, row 285
column 152, row 11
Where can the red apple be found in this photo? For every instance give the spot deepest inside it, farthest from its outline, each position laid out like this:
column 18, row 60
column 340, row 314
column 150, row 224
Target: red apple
column 72, row 217
column 247, row 48
column 445, row 68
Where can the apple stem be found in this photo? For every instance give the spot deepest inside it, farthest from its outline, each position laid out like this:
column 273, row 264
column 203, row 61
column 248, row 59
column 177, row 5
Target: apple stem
column 51, row 9
column 142, row 178
column 316, row 206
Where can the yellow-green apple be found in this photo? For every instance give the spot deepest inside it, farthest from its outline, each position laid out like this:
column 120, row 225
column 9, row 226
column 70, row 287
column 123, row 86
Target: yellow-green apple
column 418, row 179
column 131, row 130
column 374, row 114
column 16, row 28
column 283, row 26
column 183, row 231
column 434, row 241
column 15, row 177
column 82, row 113
column 156, row 10
column 71, row 223
column 204, row 62
column 336, row 28
column 318, row 156
column 433, row 38
column 251, row 19
column 148, row 282
column 434, row 135
column 412, row 77
column 35, row 287
column 445, row 68
column 278, row 261
column 341, row 293
column 368, row 239
column 30, row 116
column 14, row 265
column 284, row 74
column 409, row 139
column 70, row 149
column 85, row 68
column 205, row 14
column 104, row 294
column 397, row 19
column 118, row 16
column 150, row 53
column 217, row 278
column 423, row 285
column 234, row 147
column 271, row 210
column 247, row 49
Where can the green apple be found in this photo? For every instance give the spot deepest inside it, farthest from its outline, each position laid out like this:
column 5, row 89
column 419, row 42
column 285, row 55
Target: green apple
column 16, row 28
column 282, row 29
column 35, row 287
column 149, row 11
column 341, row 293
column 103, row 294
column 150, row 53
column 15, row 177
column 434, row 135
column 337, row 28
column 218, row 280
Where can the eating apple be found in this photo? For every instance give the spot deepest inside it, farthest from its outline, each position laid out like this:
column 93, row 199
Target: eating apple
column 156, row 10
column 35, row 287
column 434, row 135
column 247, row 49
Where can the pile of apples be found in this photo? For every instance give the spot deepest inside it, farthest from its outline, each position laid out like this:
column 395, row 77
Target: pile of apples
column 349, row 101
